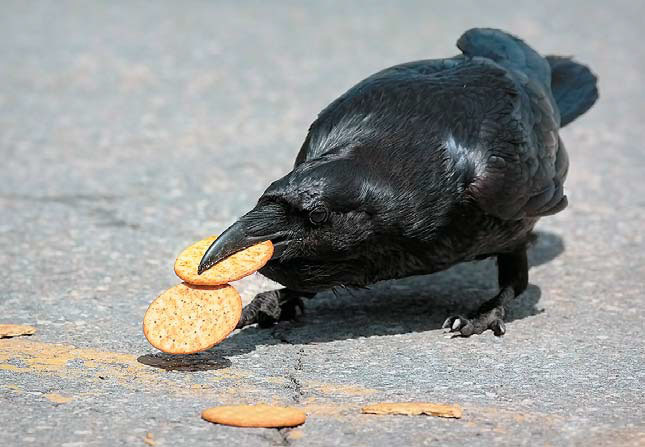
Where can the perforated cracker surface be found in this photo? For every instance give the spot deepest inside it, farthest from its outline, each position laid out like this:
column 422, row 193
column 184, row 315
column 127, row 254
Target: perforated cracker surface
column 187, row 318
column 235, row 267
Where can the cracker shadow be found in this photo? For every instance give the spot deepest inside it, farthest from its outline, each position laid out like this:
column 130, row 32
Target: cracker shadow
column 202, row 361
column 415, row 304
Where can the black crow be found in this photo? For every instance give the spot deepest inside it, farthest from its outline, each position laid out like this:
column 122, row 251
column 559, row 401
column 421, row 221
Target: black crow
column 417, row 168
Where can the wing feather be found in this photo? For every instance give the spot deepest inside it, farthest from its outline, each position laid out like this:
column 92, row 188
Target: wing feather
column 498, row 126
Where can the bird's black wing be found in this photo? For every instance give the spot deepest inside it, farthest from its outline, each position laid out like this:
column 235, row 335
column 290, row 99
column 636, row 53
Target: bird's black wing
column 525, row 163
column 327, row 117
column 524, row 175
column 498, row 128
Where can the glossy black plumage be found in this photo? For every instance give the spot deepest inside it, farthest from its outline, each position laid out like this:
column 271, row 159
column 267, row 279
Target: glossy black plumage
column 421, row 166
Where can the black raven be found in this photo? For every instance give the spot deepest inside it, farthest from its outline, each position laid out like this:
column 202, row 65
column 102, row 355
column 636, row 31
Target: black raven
column 417, row 168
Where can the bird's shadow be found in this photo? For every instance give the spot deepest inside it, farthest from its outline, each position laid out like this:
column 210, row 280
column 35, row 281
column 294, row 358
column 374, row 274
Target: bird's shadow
column 415, row 304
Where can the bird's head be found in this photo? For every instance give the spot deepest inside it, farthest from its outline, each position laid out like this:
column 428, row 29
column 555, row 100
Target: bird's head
column 321, row 218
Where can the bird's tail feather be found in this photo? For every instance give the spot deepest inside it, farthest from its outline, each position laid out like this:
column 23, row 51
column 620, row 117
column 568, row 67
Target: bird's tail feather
column 506, row 50
column 573, row 86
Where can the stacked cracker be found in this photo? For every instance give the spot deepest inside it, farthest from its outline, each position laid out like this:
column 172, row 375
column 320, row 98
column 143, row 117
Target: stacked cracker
column 199, row 313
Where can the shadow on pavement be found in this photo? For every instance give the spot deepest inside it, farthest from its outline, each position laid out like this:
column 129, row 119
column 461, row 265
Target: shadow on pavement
column 202, row 361
column 415, row 304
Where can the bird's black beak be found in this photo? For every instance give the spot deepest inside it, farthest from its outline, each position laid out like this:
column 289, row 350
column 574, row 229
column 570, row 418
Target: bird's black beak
column 251, row 229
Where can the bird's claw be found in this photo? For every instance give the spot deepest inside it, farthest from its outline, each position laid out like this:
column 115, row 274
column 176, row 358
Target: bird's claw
column 289, row 311
column 268, row 308
column 292, row 309
column 466, row 327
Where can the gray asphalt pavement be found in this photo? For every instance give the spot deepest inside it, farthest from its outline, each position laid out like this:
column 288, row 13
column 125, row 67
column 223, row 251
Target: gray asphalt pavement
column 128, row 130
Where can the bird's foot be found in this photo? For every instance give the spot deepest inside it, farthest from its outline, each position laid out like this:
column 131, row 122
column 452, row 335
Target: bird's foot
column 492, row 319
column 490, row 315
column 270, row 307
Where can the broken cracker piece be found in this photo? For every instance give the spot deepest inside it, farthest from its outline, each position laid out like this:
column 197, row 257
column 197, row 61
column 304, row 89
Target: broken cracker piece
column 150, row 440
column 58, row 398
column 15, row 330
column 260, row 415
column 235, row 267
column 414, row 409
column 187, row 318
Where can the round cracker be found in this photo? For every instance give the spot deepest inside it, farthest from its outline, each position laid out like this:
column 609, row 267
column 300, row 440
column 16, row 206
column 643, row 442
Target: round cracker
column 260, row 415
column 235, row 267
column 187, row 318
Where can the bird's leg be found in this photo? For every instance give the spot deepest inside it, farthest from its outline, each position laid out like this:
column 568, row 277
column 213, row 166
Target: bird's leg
column 513, row 276
column 272, row 306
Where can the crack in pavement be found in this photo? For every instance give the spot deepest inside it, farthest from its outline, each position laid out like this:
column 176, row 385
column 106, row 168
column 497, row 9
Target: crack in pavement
column 284, row 435
column 90, row 203
column 296, row 385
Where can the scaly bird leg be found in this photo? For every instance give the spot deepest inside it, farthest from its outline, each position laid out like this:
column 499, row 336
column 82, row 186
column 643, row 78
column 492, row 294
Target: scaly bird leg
column 513, row 276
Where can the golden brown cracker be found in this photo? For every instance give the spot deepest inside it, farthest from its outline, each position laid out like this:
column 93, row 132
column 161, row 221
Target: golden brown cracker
column 235, row 267
column 14, row 330
column 260, row 415
column 187, row 318
column 414, row 409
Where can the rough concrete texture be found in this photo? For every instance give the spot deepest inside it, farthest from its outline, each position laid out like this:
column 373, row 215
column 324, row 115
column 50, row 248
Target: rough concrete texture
column 131, row 129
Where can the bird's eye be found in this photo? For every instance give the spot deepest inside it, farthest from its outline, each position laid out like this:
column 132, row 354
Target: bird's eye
column 318, row 215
